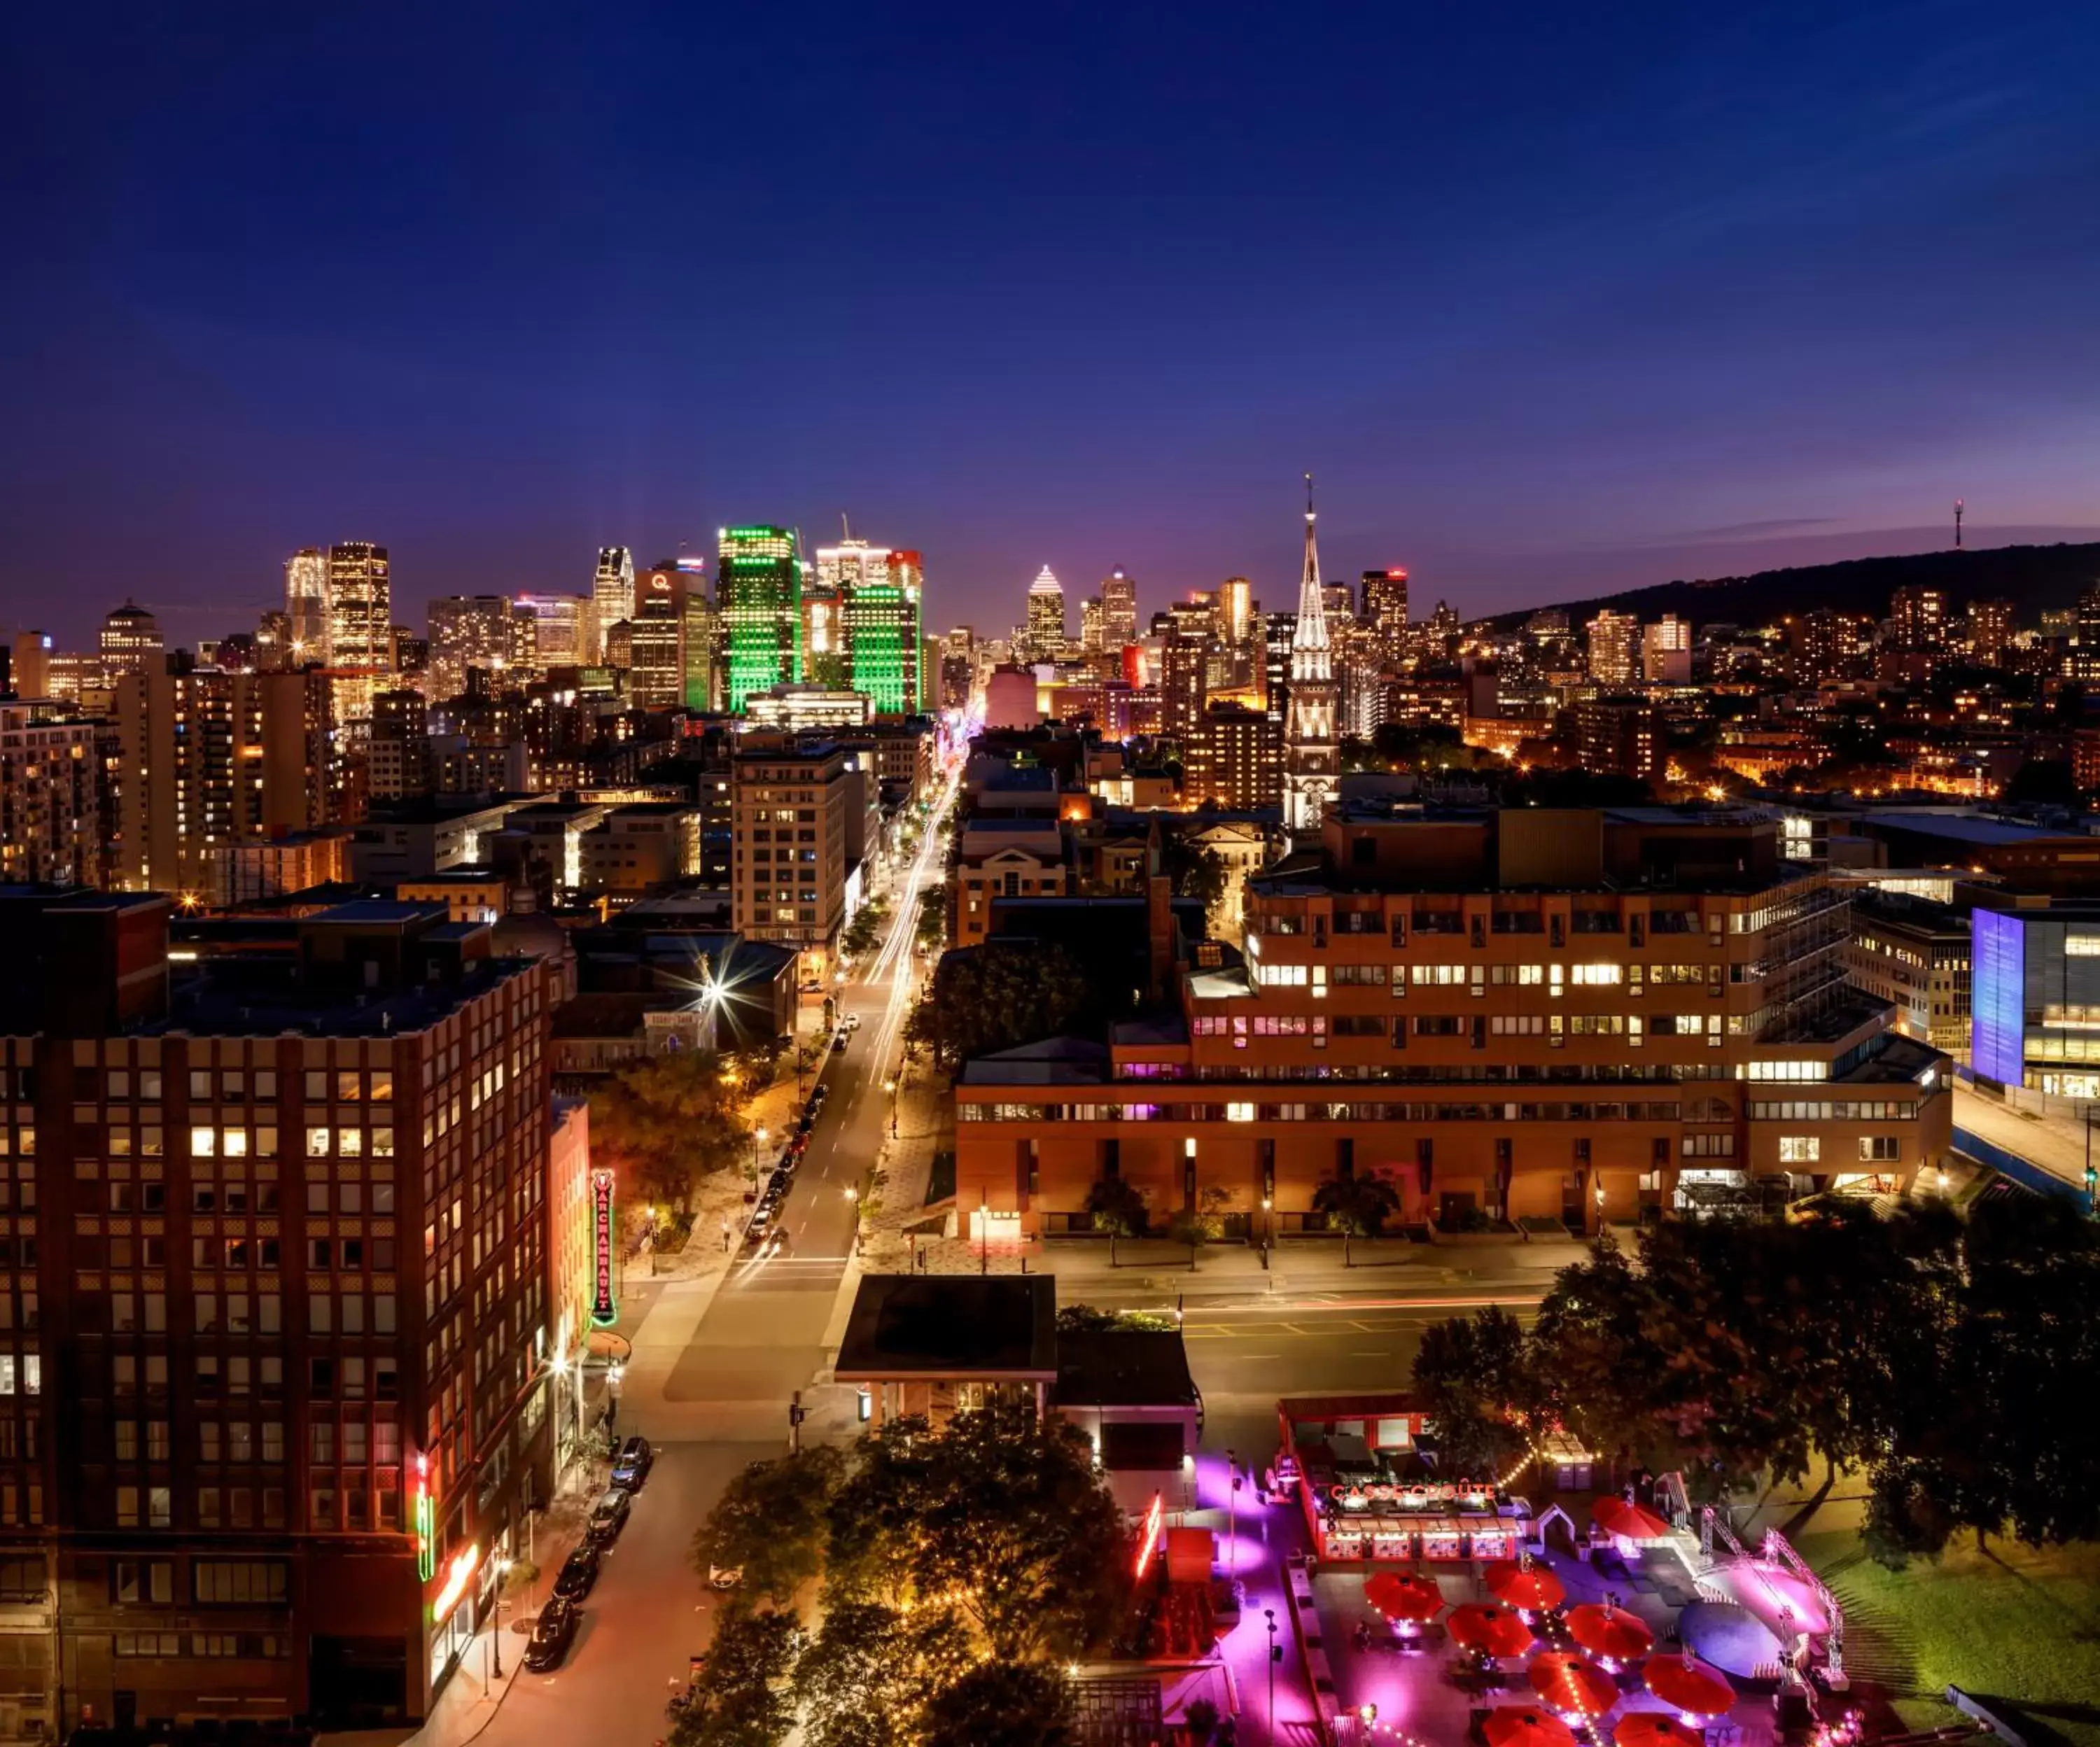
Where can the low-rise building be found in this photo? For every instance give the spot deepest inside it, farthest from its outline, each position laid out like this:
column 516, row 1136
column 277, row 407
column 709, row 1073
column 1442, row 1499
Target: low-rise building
column 1010, row 858
column 1913, row 953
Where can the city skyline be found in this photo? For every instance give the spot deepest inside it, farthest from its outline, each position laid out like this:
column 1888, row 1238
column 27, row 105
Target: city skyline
column 1521, row 370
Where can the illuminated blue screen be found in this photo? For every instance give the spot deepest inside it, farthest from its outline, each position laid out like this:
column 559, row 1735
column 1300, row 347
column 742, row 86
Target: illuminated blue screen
column 1997, row 997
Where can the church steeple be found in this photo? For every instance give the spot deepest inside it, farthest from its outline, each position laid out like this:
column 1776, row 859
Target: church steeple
column 1312, row 631
column 1311, row 762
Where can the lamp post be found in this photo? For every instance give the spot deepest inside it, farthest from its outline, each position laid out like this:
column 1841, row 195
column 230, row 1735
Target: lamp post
column 495, row 1637
column 1268, row 1228
column 1232, row 1508
column 612, row 1375
column 853, row 1195
column 1275, row 1655
column 890, row 1089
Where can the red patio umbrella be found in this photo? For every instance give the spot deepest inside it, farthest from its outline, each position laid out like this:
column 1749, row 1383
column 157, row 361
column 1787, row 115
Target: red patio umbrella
column 1622, row 1516
column 1610, row 1631
column 1525, row 1586
column 1524, row 1725
column 1688, row 1685
column 1404, row 1598
column 1493, row 1631
column 1651, row 1728
column 1574, row 1684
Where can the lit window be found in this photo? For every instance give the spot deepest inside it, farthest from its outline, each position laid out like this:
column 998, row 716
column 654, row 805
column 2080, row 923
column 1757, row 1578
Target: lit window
column 204, row 1142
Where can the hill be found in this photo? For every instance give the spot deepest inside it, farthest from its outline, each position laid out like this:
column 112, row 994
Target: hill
column 2034, row 579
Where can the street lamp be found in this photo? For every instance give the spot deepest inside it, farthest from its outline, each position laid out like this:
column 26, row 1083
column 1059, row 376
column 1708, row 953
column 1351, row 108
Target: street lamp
column 496, row 1638
column 890, row 1088
column 1275, row 1655
column 613, row 1373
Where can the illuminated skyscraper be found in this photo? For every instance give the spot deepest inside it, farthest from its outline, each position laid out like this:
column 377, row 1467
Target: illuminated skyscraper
column 1612, row 639
column 563, row 630
column 307, row 606
column 1119, row 610
column 1990, row 631
column 613, row 588
column 758, row 592
column 1666, row 651
column 1312, row 761
column 1043, row 636
column 1385, row 611
column 131, row 642
column 468, row 631
column 360, row 607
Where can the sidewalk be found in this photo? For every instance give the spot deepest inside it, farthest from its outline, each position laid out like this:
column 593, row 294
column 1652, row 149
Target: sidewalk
column 471, row 1699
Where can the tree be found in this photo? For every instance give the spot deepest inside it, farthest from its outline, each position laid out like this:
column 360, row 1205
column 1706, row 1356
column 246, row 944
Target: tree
column 1476, row 1381
column 997, row 996
column 1196, row 871
column 740, row 1699
column 1117, row 1209
column 2044, row 779
column 1202, row 1223
column 860, row 934
column 772, row 1522
column 932, row 928
column 663, row 1120
column 1357, row 1203
column 1015, row 1704
column 866, row 1679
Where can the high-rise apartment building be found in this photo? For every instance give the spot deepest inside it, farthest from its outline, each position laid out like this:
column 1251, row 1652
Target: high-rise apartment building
column 1185, row 663
column 1618, row 738
column 2085, row 655
column 1312, row 759
column 1041, row 637
column 285, row 1408
column 212, row 758
column 792, row 824
column 1119, row 610
column 612, row 588
column 1236, row 760
column 130, row 643
column 1991, row 631
column 1613, row 640
column 1090, row 625
column 1666, row 651
column 50, row 809
column 1920, row 617
column 1826, row 645
column 307, row 606
column 758, row 585
column 1385, row 612
column 360, row 606
column 469, row 631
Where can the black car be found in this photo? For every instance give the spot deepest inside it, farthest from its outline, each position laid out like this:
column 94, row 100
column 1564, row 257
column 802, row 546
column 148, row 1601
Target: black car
column 608, row 1516
column 551, row 1637
column 578, row 1573
column 839, row 1044
column 631, row 1468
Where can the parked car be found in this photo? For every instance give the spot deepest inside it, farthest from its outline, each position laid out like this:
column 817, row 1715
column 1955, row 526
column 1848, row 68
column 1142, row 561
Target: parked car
column 551, row 1636
column 838, row 1044
column 608, row 1516
column 631, row 1467
column 578, row 1573
column 852, row 1021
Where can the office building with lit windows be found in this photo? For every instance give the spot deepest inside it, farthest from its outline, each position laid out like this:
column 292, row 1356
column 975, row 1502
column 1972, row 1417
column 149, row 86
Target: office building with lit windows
column 2035, row 997
column 469, row 631
column 50, row 799
column 884, row 636
column 790, row 883
column 307, row 606
column 360, row 607
column 275, row 1381
column 758, row 595
column 1563, row 1015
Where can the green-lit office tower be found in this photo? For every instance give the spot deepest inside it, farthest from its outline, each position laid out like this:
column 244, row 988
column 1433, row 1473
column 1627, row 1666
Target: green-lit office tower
column 879, row 592
column 758, row 594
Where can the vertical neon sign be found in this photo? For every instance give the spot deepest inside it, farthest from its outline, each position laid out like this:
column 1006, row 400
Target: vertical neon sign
column 426, row 1543
column 605, row 1312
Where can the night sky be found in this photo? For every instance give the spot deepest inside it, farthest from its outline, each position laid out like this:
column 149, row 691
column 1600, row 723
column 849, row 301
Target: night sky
column 1552, row 298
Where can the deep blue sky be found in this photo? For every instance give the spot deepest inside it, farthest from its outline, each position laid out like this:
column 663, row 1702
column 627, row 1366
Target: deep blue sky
column 1551, row 298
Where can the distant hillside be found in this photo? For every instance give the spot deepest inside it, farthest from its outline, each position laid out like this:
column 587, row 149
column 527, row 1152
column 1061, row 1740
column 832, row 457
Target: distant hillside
column 2034, row 579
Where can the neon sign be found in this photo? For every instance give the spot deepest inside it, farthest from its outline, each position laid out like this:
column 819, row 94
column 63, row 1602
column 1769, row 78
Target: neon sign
column 425, row 1521
column 605, row 1312
column 457, row 1575
column 1155, row 1520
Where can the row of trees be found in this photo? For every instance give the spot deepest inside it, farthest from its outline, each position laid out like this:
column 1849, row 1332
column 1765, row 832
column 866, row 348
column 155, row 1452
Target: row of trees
column 957, row 1570
column 1946, row 1356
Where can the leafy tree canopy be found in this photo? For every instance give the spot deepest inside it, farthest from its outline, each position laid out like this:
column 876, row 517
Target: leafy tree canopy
column 663, row 1121
column 997, row 996
column 741, row 1698
column 1016, row 1704
column 772, row 1522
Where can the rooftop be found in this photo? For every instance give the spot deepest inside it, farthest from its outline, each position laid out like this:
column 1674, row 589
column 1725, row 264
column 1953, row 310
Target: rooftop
column 951, row 1325
column 246, row 998
column 1123, row 1368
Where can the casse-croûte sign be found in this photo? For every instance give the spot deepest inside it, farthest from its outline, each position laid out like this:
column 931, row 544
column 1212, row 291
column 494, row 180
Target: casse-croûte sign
column 605, row 1312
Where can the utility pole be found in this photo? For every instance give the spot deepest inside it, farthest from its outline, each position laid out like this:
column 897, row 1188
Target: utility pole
column 1275, row 1655
column 796, row 1413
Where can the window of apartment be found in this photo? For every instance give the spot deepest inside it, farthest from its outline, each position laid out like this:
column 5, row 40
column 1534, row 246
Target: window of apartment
column 1799, row 1149
column 238, row 1583
column 1879, row 1150
column 1595, row 976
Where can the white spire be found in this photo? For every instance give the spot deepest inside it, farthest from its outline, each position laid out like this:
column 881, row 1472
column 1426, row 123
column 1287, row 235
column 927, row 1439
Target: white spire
column 1311, row 636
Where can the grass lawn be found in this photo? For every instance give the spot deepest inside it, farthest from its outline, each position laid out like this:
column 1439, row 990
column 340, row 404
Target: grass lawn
column 2012, row 1623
